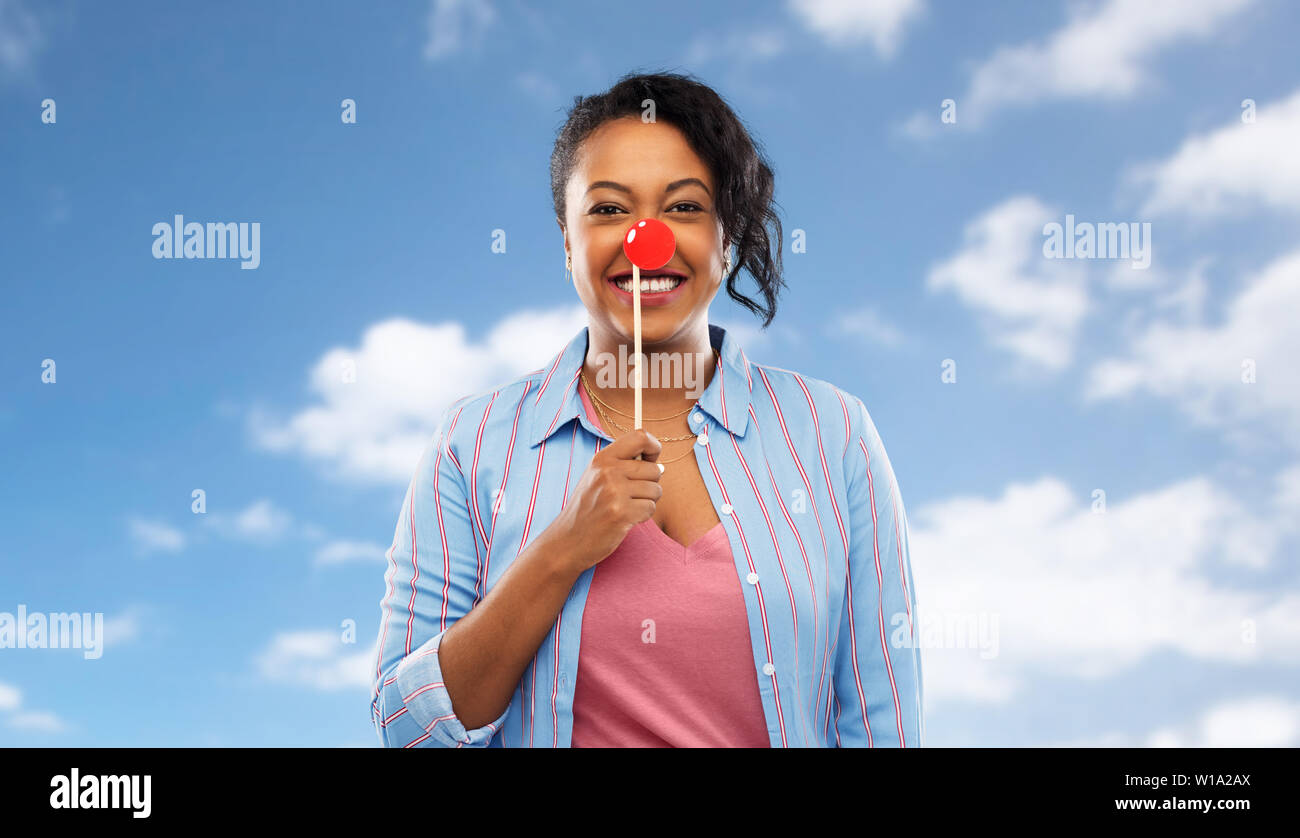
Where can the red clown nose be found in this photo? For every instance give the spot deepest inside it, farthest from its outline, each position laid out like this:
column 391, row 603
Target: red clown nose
column 649, row 243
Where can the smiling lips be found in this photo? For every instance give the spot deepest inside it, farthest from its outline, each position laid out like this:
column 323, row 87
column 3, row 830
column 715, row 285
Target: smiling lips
column 652, row 282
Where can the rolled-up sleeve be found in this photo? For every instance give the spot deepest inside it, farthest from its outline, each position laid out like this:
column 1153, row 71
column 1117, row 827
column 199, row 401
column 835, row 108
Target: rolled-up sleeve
column 877, row 683
column 430, row 584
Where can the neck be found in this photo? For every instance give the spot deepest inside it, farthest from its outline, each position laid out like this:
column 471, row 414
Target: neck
column 675, row 372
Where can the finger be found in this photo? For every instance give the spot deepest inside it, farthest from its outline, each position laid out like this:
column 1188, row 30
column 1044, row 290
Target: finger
column 643, row 470
column 635, row 442
column 650, row 446
column 645, row 489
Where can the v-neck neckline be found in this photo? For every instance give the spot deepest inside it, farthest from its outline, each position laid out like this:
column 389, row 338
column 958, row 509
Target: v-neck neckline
column 686, row 549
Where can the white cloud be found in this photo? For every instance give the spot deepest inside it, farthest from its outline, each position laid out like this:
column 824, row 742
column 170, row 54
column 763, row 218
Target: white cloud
column 453, row 23
column 339, row 552
column 20, row 37
column 846, row 23
column 1123, row 277
column 261, row 521
column 1239, row 166
column 1200, row 367
column 373, row 429
column 1288, row 491
column 155, row 537
column 737, row 45
column 311, row 532
column 1085, row 594
column 1188, row 299
column 122, row 628
column 11, row 698
column 920, row 125
column 37, row 720
column 1102, row 52
column 1264, row 721
column 1031, row 305
column 537, row 86
column 754, row 339
column 865, row 322
column 316, row 659
column 1251, row 723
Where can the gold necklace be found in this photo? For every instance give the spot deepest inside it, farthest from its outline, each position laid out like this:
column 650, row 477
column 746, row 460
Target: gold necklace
column 591, row 392
column 624, row 429
column 605, row 418
column 679, row 457
column 607, row 421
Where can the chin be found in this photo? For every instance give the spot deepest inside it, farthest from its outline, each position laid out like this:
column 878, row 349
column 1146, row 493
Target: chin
column 658, row 330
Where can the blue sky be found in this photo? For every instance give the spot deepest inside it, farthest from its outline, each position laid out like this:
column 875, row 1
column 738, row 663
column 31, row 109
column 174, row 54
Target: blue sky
column 1166, row 617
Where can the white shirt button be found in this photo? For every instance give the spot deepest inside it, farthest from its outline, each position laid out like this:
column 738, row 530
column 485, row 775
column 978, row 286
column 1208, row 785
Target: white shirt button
column 697, row 417
column 752, row 578
column 768, row 669
column 725, row 509
column 702, row 439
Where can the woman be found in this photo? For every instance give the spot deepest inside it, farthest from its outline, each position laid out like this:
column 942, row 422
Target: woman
column 735, row 573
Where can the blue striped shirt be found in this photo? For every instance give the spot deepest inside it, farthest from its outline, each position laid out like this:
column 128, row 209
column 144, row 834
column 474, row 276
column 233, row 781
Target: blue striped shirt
column 805, row 492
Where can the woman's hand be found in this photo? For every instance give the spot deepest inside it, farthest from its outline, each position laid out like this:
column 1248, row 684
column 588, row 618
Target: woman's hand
column 616, row 492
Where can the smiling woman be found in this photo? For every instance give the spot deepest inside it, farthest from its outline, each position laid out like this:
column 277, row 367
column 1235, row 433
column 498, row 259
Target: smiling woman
column 735, row 573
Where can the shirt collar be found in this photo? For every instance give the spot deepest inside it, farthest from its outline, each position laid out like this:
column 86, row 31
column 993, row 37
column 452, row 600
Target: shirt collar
column 725, row 400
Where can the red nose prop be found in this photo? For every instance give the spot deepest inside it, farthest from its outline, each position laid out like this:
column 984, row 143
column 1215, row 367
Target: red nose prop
column 649, row 244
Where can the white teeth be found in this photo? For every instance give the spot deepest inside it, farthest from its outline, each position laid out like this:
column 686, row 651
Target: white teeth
column 653, row 285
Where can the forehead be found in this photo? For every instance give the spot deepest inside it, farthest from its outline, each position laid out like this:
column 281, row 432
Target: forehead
column 633, row 152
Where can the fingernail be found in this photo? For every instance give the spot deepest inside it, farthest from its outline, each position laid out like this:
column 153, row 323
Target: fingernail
column 661, row 467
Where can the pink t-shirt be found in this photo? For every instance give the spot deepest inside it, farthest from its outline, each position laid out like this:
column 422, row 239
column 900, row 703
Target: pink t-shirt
column 665, row 659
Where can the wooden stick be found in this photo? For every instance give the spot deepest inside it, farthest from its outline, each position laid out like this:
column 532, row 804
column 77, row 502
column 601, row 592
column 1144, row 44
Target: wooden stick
column 636, row 343
column 636, row 347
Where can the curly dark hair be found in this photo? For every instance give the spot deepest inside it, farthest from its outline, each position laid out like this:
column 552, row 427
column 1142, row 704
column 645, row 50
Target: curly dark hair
column 742, row 174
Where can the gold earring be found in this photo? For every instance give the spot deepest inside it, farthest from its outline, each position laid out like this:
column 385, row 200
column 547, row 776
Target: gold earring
column 726, row 264
column 568, row 267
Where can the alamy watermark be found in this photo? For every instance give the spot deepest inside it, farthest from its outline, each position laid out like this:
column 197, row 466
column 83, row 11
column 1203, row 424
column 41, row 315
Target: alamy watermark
column 214, row 240
column 1105, row 240
column 947, row 630
column 56, row 630
column 673, row 370
column 75, row 790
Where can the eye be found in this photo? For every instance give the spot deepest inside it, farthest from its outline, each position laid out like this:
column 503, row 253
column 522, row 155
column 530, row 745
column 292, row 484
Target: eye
column 692, row 208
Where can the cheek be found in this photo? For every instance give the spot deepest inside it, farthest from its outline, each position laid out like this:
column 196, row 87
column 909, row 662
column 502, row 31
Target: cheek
column 699, row 248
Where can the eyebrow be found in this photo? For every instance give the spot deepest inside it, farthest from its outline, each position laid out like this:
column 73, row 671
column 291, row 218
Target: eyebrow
column 677, row 184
